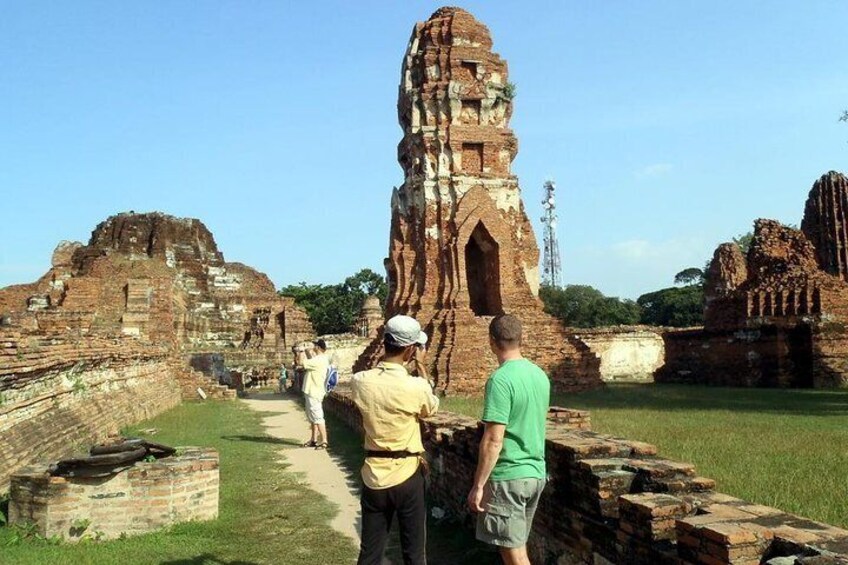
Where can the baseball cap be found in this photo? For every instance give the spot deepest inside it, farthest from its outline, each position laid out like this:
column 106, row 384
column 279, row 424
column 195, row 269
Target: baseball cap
column 403, row 331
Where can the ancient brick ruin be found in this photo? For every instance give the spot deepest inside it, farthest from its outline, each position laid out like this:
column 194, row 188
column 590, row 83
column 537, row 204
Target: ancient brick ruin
column 162, row 280
column 59, row 392
column 105, row 337
column 370, row 318
column 777, row 316
column 462, row 249
column 145, row 497
column 610, row 500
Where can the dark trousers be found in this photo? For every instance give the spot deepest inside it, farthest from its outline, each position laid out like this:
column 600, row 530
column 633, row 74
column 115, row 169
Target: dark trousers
column 379, row 508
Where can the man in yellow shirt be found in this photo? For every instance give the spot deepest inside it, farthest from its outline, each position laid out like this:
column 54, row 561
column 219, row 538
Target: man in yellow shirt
column 391, row 402
column 314, row 391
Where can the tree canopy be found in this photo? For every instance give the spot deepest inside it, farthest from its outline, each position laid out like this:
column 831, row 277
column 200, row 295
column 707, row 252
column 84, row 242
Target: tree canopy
column 334, row 308
column 690, row 276
column 583, row 306
column 743, row 241
column 676, row 306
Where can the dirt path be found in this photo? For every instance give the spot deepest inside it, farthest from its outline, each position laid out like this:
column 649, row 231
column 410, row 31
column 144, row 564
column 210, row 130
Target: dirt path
column 321, row 471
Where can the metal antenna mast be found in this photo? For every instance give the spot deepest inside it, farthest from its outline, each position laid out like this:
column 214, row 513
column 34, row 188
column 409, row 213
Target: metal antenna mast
column 551, row 266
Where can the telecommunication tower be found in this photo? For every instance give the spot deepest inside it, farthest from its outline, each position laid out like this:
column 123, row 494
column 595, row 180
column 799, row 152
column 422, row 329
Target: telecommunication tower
column 551, row 266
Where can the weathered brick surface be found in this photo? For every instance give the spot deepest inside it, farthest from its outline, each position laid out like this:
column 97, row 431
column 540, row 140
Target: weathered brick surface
column 370, row 319
column 461, row 246
column 825, row 223
column 145, row 497
column 58, row 393
column 776, row 317
column 102, row 339
column 755, row 357
column 611, row 500
column 190, row 380
column 161, row 280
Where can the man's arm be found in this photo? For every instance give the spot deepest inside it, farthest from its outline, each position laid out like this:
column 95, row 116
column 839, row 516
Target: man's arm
column 311, row 363
column 420, row 356
column 490, row 450
column 429, row 404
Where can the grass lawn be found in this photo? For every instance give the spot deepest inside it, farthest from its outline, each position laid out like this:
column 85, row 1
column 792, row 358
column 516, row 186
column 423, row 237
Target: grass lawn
column 266, row 516
column 782, row 448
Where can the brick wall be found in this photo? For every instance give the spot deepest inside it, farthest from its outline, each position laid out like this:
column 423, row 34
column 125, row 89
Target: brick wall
column 829, row 355
column 753, row 357
column 57, row 394
column 806, row 355
column 142, row 498
column 611, row 500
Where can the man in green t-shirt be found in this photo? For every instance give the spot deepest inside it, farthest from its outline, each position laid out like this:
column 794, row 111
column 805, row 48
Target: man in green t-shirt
column 510, row 472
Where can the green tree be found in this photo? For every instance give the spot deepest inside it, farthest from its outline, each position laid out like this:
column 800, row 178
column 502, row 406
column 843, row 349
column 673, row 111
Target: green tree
column 582, row 306
column 365, row 283
column 744, row 242
column 334, row 308
column 690, row 276
column 677, row 307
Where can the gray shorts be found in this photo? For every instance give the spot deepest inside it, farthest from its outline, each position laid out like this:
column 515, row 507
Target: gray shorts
column 314, row 410
column 510, row 506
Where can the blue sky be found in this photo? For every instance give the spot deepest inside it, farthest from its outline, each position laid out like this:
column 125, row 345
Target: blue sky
column 668, row 126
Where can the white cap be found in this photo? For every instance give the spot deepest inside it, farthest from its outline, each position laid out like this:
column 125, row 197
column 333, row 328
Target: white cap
column 403, row 331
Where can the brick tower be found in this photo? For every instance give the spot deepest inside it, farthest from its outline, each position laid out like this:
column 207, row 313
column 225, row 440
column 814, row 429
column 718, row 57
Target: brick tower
column 825, row 223
column 462, row 249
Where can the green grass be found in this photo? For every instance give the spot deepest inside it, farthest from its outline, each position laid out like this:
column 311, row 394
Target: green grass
column 266, row 515
column 782, row 448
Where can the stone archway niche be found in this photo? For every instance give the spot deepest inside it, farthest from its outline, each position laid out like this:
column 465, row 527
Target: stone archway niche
column 482, row 273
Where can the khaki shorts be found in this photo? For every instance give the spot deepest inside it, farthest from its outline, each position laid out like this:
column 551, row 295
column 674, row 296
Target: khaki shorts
column 314, row 410
column 510, row 506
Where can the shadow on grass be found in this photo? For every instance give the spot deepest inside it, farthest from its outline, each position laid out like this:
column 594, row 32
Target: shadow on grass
column 206, row 559
column 264, row 439
column 670, row 397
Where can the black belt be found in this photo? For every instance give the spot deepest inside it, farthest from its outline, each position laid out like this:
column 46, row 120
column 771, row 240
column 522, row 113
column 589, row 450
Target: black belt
column 390, row 454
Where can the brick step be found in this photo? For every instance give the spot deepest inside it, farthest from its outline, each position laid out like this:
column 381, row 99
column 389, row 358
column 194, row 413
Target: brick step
column 190, row 380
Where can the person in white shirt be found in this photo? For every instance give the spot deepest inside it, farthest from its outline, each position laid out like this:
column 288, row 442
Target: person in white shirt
column 314, row 391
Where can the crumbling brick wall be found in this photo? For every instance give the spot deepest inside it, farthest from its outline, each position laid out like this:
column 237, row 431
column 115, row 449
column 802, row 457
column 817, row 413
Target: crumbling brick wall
column 143, row 498
column 610, row 500
column 100, row 341
column 161, row 280
column 59, row 392
column 764, row 356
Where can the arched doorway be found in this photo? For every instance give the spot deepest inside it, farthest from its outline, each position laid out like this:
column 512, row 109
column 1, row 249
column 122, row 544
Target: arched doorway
column 482, row 273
